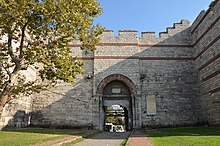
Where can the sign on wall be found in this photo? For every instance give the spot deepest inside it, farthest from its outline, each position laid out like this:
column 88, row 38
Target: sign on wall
column 116, row 90
column 151, row 104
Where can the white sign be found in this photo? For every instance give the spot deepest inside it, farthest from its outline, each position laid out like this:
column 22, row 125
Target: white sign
column 116, row 90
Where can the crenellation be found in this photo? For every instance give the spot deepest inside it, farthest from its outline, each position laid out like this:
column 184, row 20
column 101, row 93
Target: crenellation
column 182, row 25
column 215, row 11
column 197, row 20
column 169, row 29
column 177, row 28
column 184, row 22
column 131, row 36
column 107, row 34
column 163, row 35
column 148, row 35
column 108, row 30
column 125, row 36
column 130, row 31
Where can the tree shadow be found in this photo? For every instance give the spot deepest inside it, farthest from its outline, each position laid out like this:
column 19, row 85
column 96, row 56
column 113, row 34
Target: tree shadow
column 71, row 132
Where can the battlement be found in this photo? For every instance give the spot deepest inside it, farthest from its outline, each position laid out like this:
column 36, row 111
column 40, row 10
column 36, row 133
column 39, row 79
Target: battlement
column 212, row 11
column 148, row 34
column 121, row 33
column 131, row 36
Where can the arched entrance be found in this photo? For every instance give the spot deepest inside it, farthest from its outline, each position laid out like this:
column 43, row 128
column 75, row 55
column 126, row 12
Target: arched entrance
column 116, row 119
column 116, row 90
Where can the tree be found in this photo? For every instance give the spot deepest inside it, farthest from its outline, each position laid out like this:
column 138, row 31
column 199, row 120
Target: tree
column 38, row 33
column 110, row 119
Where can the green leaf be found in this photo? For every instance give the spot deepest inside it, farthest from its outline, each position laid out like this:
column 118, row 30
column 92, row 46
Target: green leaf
column 43, row 29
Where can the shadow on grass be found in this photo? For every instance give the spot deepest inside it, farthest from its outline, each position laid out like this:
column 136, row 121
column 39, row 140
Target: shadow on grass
column 88, row 134
column 77, row 132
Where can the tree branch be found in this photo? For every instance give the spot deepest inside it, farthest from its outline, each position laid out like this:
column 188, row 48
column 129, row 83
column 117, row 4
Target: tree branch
column 6, row 69
column 10, row 49
column 22, row 40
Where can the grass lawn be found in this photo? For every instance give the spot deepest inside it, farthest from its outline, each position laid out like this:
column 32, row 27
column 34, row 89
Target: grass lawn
column 25, row 137
column 185, row 137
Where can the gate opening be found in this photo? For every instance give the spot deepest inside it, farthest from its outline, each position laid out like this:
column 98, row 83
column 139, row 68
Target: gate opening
column 116, row 119
column 117, row 103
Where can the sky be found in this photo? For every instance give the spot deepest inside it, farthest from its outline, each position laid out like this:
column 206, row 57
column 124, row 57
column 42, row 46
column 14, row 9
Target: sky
column 148, row 15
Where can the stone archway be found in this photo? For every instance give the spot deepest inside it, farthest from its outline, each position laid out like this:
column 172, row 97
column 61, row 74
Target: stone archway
column 118, row 77
column 120, row 90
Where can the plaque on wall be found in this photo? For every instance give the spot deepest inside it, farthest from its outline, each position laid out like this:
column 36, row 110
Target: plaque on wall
column 151, row 104
column 116, row 90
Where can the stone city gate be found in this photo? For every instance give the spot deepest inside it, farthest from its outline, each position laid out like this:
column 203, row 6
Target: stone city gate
column 170, row 80
column 117, row 89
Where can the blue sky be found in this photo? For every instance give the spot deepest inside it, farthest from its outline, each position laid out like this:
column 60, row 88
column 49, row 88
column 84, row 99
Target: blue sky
column 148, row 15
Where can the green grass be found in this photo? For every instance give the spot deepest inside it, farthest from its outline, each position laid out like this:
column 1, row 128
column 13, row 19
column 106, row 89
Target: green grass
column 25, row 137
column 124, row 142
column 185, row 137
column 73, row 142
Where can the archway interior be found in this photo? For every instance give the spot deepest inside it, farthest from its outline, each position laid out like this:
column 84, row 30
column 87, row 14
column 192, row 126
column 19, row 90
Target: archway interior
column 116, row 118
column 117, row 107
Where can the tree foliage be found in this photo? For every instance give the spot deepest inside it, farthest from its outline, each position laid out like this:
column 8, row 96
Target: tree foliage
column 110, row 119
column 37, row 33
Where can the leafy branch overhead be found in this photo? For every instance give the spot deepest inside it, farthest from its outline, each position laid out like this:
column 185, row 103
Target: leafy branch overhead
column 37, row 33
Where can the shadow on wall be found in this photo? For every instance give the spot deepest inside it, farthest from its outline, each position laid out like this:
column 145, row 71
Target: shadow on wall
column 20, row 120
column 55, row 109
column 165, row 69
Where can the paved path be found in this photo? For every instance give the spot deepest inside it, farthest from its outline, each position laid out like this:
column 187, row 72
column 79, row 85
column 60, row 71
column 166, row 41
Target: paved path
column 58, row 141
column 105, row 139
column 138, row 138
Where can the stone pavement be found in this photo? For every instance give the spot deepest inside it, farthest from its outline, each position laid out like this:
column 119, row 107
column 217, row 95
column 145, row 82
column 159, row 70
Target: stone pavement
column 138, row 138
column 105, row 139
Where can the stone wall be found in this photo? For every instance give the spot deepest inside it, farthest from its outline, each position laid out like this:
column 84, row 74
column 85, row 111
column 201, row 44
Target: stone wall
column 165, row 61
column 66, row 105
column 16, row 114
column 180, row 68
column 206, row 42
column 174, row 85
column 171, row 76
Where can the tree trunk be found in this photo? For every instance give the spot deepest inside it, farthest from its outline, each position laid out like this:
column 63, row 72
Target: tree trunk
column 4, row 97
column 3, row 100
column 6, row 93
